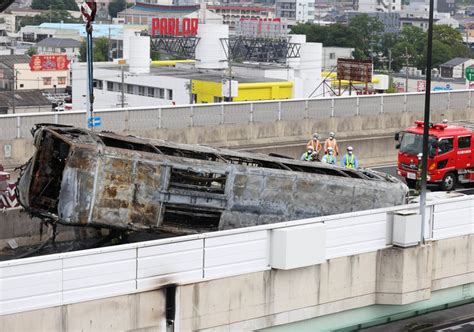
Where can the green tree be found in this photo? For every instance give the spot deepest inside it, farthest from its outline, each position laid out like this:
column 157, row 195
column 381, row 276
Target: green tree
column 55, row 5
column 83, row 51
column 100, row 50
column 32, row 51
column 116, row 6
column 410, row 43
column 365, row 36
column 54, row 17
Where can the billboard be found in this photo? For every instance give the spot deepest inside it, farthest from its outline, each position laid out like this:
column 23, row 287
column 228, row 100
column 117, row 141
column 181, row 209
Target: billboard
column 354, row 70
column 49, row 62
column 261, row 27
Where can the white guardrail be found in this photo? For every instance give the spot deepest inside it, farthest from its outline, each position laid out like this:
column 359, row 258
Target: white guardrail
column 182, row 116
column 52, row 280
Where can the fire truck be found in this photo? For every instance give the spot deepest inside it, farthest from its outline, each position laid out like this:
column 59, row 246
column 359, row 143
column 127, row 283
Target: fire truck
column 450, row 154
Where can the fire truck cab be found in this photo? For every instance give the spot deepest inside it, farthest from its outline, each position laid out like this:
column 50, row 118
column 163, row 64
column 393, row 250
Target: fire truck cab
column 450, row 154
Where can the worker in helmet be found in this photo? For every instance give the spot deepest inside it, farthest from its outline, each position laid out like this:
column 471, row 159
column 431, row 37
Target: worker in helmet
column 309, row 155
column 350, row 160
column 331, row 142
column 329, row 157
column 316, row 144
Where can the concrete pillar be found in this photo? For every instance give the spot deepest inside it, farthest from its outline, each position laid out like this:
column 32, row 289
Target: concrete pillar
column 404, row 275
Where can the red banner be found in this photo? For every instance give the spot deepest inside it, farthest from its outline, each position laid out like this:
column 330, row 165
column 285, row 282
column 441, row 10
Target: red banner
column 49, row 62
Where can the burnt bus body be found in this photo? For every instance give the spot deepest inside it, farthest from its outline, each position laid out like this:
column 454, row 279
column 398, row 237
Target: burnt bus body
column 78, row 177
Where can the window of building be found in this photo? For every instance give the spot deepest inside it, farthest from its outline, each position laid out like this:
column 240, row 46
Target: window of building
column 151, row 92
column 22, row 85
column 161, row 93
column 169, row 94
column 99, row 84
column 393, row 7
column 130, row 89
column 464, row 142
column 332, row 55
column 46, row 80
column 110, row 86
column 62, row 80
column 141, row 90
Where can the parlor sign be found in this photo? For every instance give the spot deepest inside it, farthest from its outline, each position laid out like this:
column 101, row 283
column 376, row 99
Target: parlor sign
column 49, row 62
column 174, row 26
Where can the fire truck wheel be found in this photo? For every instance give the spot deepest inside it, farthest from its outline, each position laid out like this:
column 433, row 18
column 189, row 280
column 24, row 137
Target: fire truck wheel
column 411, row 183
column 449, row 181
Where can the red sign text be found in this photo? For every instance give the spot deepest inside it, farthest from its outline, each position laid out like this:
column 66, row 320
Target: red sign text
column 174, row 26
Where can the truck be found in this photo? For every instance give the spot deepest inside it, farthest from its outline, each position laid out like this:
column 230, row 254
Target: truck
column 450, row 154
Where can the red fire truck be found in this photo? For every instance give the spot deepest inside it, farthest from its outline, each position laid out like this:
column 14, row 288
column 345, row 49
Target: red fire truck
column 450, row 153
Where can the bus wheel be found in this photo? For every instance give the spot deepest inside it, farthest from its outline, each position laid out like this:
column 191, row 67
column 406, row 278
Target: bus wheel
column 411, row 183
column 449, row 181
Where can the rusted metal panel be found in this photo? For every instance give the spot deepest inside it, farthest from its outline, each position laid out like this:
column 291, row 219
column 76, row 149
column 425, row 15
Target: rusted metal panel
column 102, row 179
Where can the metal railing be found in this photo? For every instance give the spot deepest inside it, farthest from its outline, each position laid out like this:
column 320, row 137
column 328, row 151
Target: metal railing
column 183, row 116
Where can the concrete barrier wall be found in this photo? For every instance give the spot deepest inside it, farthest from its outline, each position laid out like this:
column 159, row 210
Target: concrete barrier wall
column 29, row 231
column 370, row 135
column 258, row 300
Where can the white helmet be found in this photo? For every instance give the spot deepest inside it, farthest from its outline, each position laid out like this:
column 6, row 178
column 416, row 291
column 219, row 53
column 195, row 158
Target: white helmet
column 331, row 134
column 349, row 148
column 315, row 136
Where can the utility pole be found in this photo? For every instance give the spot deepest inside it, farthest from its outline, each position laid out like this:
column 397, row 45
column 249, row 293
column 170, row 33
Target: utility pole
column 123, row 87
column 109, row 56
column 230, row 79
column 50, row 12
column 14, row 90
column 407, row 57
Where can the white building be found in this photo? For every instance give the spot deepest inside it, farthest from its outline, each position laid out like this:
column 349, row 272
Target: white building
column 158, row 87
column 455, row 68
column 68, row 46
column 295, row 11
column 331, row 54
column 386, row 6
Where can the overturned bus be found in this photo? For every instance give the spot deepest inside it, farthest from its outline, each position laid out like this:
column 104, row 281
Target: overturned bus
column 79, row 177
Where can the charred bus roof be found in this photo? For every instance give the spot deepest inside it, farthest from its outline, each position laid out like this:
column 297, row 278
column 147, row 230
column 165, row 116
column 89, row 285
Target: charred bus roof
column 103, row 179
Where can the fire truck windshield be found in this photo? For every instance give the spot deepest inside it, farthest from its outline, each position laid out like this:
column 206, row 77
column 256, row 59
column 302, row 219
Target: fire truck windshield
column 413, row 144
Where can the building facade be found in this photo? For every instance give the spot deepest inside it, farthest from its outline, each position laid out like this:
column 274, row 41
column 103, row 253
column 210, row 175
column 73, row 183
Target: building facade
column 68, row 46
column 385, row 6
column 295, row 11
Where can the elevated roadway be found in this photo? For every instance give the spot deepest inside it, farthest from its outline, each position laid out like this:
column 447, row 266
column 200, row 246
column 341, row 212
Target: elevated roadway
column 328, row 273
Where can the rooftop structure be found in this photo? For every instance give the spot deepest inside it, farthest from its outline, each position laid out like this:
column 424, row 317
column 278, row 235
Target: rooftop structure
column 25, row 102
